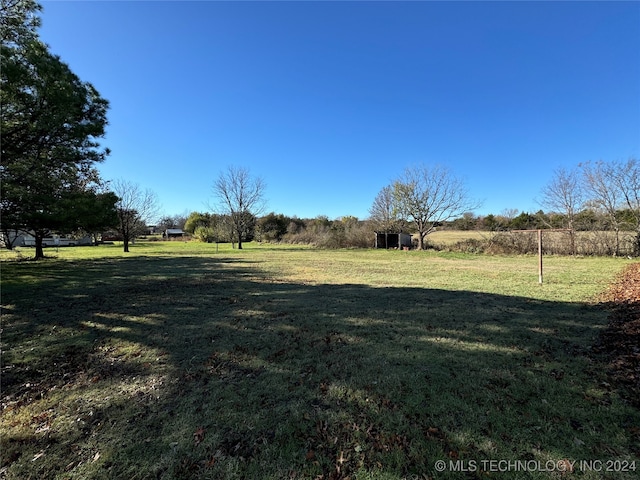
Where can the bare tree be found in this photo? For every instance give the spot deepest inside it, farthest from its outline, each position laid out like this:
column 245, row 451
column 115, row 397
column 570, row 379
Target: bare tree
column 614, row 189
column 383, row 213
column 628, row 181
column 241, row 196
column 427, row 196
column 603, row 194
column 564, row 195
column 508, row 214
column 136, row 208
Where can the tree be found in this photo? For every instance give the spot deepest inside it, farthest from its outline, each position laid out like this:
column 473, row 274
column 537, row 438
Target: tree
column 195, row 220
column 92, row 212
column 272, row 227
column 614, row 186
column 627, row 180
column 490, row 222
column 50, row 123
column 136, row 208
column 468, row 221
column 564, row 194
column 428, row 196
column 172, row 221
column 241, row 197
column 524, row 221
column 384, row 214
column 18, row 21
column 603, row 195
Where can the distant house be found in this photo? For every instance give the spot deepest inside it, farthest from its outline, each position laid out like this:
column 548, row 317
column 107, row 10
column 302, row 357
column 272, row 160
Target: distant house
column 393, row 240
column 26, row 239
column 111, row 236
column 173, row 233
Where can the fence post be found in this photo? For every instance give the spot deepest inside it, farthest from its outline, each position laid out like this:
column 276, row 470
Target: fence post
column 540, row 256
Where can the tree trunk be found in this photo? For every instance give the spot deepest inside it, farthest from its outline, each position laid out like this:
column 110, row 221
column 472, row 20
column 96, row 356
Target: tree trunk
column 572, row 241
column 126, row 244
column 39, row 249
column 420, row 241
column 7, row 243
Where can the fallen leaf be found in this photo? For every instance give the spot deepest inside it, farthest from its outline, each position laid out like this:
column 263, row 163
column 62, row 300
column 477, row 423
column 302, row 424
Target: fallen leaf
column 198, row 436
column 565, row 466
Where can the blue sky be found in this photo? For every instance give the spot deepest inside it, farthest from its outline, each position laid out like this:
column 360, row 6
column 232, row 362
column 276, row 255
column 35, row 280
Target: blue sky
column 329, row 101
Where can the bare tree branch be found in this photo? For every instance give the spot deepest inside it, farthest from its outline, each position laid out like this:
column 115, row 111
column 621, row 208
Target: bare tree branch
column 564, row 194
column 136, row 208
column 428, row 196
column 241, row 196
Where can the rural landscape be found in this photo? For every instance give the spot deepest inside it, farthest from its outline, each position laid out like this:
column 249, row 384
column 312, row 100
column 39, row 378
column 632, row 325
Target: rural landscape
column 426, row 339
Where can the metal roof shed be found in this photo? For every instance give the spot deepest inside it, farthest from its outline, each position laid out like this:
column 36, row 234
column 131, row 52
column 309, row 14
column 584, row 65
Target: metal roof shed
column 393, row 240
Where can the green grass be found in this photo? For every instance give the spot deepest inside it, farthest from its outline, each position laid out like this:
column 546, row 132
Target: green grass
column 175, row 361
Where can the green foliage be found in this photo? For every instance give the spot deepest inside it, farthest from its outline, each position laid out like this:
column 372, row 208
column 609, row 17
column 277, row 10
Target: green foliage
column 468, row 221
column 50, row 124
column 18, row 21
column 524, row 221
column 195, row 220
column 204, row 234
column 90, row 212
column 272, row 227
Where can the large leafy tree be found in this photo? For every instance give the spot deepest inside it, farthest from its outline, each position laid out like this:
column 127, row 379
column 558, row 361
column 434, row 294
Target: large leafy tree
column 50, row 122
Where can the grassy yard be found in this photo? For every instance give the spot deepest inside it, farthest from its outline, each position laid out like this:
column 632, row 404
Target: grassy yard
column 176, row 362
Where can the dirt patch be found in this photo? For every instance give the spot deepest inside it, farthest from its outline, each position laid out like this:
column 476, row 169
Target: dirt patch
column 620, row 342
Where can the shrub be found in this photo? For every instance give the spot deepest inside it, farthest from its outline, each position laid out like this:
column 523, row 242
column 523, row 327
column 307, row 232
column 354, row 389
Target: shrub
column 204, row 234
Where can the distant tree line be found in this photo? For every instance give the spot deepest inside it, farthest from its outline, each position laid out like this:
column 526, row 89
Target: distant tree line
column 597, row 198
column 584, row 221
column 321, row 232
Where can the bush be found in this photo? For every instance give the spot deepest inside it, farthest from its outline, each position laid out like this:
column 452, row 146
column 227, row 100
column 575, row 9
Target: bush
column 598, row 243
column 204, row 234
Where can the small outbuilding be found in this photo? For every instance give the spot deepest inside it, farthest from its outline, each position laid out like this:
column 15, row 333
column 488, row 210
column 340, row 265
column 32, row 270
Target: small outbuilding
column 173, row 233
column 393, row 240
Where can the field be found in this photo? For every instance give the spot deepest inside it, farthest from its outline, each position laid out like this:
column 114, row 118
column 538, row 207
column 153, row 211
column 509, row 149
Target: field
column 178, row 361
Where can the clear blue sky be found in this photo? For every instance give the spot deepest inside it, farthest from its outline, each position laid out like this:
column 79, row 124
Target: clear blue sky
column 329, row 101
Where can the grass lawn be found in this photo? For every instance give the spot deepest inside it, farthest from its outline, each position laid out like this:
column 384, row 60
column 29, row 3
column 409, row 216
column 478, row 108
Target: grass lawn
column 177, row 361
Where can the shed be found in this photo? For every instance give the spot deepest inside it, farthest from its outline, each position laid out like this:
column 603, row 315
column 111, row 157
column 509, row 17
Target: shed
column 173, row 232
column 393, row 240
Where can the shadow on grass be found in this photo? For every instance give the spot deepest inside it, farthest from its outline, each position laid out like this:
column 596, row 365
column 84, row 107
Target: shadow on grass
column 209, row 368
